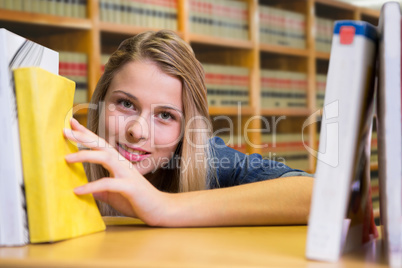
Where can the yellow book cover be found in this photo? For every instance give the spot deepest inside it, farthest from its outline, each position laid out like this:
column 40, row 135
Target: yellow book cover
column 44, row 102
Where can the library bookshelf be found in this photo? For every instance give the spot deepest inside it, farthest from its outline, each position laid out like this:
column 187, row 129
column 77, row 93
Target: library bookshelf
column 93, row 35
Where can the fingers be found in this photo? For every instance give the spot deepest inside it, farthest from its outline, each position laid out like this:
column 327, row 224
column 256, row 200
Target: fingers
column 76, row 125
column 84, row 136
column 102, row 186
column 101, row 152
column 94, row 187
column 109, row 160
column 114, row 192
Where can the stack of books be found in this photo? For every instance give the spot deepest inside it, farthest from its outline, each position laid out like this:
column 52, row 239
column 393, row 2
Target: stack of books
column 282, row 27
column 144, row 13
column 323, row 38
column 227, row 85
column 73, row 66
column 220, row 18
column 283, row 89
column 321, row 80
column 104, row 59
column 66, row 8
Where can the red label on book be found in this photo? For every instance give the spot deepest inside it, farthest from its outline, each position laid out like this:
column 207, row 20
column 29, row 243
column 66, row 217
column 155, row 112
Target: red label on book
column 346, row 34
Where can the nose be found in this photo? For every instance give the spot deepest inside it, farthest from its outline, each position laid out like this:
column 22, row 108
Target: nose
column 137, row 130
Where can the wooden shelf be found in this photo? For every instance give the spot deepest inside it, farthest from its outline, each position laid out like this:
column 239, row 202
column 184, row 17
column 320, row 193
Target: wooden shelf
column 126, row 29
column 284, row 50
column 80, row 109
column 44, row 19
column 217, row 41
column 231, row 111
column 322, row 55
column 286, row 111
column 336, row 4
column 373, row 166
column 369, row 12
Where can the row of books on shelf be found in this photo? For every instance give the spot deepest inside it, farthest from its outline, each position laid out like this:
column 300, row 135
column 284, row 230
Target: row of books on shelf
column 283, row 89
column 321, row 81
column 146, row 13
column 323, row 37
column 73, row 66
column 37, row 202
column 286, row 148
column 221, row 18
column 282, row 27
column 104, row 59
column 227, row 85
column 67, row 8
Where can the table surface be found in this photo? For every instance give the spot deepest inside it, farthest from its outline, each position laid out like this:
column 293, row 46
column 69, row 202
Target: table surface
column 130, row 243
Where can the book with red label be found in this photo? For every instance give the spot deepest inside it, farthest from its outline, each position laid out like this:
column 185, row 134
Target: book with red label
column 341, row 216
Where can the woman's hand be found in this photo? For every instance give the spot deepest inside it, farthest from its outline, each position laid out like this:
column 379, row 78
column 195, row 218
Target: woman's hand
column 278, row 201
column 127, row 190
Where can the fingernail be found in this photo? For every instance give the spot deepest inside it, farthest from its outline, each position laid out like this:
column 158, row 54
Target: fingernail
column 79, row 190
column 68, row 157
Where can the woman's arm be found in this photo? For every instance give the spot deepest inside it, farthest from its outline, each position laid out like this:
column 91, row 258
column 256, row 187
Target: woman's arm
column 272, row 202
column 276, row 201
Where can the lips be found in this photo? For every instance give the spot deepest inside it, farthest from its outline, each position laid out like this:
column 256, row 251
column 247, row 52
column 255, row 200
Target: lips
column 131, row 154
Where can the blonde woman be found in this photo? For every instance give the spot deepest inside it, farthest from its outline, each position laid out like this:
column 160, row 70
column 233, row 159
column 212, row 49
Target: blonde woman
column 152, row 155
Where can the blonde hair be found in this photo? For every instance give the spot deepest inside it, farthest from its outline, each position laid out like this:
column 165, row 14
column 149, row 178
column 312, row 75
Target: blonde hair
column 175, row 58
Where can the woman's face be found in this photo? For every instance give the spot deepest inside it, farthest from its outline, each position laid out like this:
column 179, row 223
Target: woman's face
column 143, row 115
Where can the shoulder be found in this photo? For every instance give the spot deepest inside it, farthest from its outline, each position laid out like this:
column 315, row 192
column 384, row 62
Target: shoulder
column 235, row 168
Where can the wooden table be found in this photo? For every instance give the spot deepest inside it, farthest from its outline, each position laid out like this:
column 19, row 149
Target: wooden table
column 130, row 243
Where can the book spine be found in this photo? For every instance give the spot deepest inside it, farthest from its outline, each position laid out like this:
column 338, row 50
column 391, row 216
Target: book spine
column 336, row 168
column 13, row 222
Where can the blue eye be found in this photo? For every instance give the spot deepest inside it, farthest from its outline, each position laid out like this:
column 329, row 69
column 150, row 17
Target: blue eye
column 126, row 104
column 166, row 116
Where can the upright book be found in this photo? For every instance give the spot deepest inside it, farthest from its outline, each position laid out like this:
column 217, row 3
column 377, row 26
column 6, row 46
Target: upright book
column 340, row 215
column 15, row 51
column 44, row 102
column 389, row 122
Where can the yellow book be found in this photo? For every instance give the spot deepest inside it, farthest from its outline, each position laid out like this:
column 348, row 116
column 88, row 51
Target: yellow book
column 44, row 102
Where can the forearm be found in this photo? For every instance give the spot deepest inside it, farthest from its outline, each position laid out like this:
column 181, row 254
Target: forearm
column 271, row 202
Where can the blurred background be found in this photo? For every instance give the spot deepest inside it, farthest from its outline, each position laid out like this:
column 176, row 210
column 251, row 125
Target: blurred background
column 373, row 4
column 265, row 61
